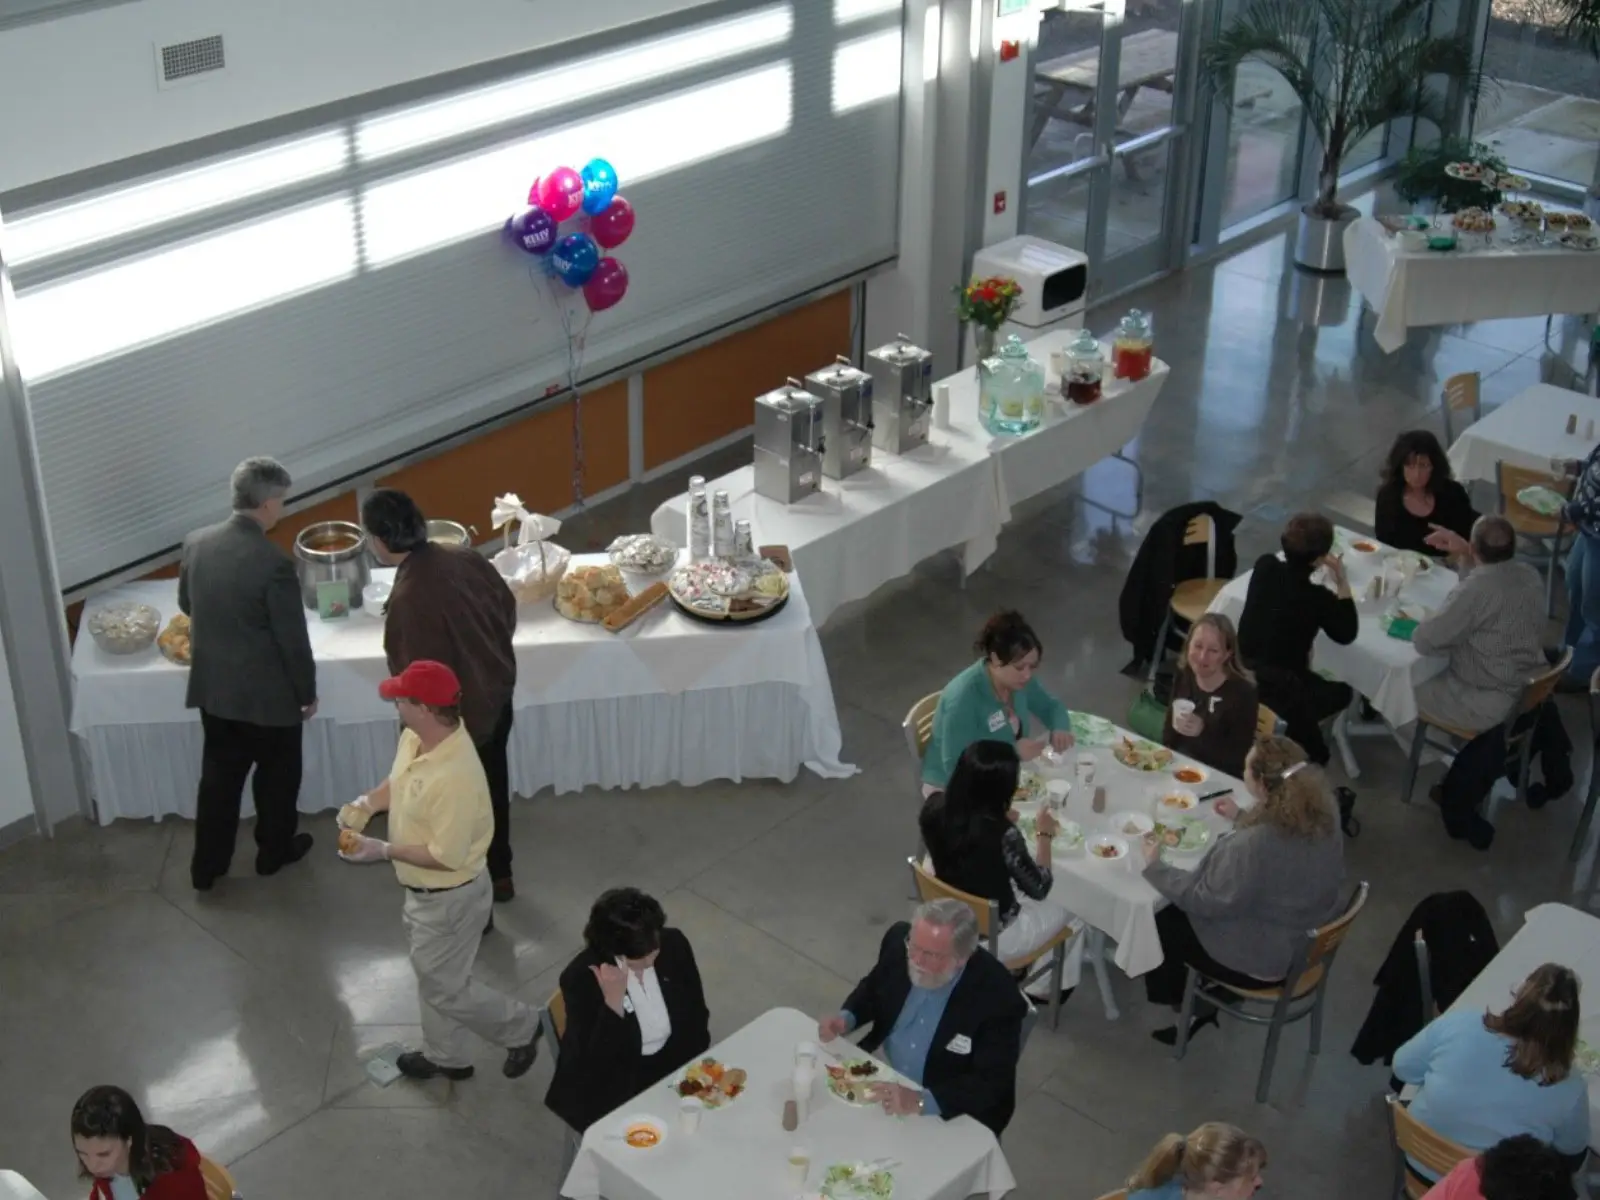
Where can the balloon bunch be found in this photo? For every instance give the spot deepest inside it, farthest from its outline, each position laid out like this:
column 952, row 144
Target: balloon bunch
column 600, row 220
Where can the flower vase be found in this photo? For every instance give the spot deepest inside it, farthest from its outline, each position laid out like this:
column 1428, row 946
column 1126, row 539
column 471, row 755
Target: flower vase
column 983, row 342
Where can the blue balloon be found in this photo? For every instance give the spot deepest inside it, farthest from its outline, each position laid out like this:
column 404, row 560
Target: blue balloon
column 574, row 259
column 599, row 185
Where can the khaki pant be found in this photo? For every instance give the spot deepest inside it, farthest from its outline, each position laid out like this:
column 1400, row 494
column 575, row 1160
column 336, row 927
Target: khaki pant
column 444, row 929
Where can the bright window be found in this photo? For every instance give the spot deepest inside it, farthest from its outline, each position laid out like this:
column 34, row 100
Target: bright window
column 847, row 11
column 866, row 70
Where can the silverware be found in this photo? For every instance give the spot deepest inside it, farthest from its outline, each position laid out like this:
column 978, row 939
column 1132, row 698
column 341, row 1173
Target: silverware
column 1214, row 795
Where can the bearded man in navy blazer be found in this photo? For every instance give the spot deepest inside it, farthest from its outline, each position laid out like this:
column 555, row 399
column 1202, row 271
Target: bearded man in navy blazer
column 947, row 1015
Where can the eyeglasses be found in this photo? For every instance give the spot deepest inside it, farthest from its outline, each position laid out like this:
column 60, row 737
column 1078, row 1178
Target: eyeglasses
column 915, row 951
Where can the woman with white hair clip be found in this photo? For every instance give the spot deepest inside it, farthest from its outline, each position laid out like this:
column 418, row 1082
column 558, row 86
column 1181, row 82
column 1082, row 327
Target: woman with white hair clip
column 1239, row 916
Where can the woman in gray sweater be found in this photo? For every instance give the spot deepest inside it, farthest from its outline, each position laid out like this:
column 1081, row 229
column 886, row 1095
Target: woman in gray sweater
column 1241, row 914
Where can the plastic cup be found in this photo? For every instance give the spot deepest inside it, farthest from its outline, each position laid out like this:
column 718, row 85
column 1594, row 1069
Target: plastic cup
column 1058, row 790
column 805, row 1054
column 689, row 1115
column 1183, row 708
column 799, row 1165
column 1085, row 769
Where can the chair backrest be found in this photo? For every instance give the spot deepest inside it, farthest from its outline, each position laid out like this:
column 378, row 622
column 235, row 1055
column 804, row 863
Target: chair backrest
column 918, row 725
column 1266, row 721
column 1424, row 977
column 1460, row 396
column 1325, row 942
column 1119, row 1194
column 1412, row 1139
column 1509, row 479
column 219, row 1183
column 1203, row 530
column 931, row 887
column 1521, row 721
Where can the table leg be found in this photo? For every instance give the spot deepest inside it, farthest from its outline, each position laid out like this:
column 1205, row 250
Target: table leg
column 1138, row 491
column 1094, row 945
column 1341, row 739
column 1045, row 109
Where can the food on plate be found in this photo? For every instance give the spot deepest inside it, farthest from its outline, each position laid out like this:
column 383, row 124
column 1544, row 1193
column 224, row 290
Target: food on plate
column 1188, row 774
column 1523, row 212
column 1580, row 241
column 853, row 1181
column 124, row 628
column 778, row 556
column 349, row 840
column 1069, row 834
column 1186, row 835
column 1473, row 220
column 642, row 553
column 711, row 1083
column 1363, row 547
column 722, row 591
column 1106, row 850
column 1179, row 801
column 1579, row 221
column 1556, row 221
column 1029, row 788
column 174, row 641
column 590, row 593
column 1091, row 730
column 1142, row 755
column 636, row 607
column 1586, row 1058
column 1133, row 824
column 641, row 1136
column 1508, row 182
column 1464, row 170
column 852, row 1079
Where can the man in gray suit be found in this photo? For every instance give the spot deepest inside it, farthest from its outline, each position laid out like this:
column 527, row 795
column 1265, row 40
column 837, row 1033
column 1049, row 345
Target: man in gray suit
column 252, row 677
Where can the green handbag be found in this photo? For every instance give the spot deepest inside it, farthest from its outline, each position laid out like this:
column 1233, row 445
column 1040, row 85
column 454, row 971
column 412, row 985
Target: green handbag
column 1147, row 716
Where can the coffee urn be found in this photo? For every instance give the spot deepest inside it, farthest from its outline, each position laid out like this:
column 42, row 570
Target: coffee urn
column 846, row 417
column 902, row 400
column 789, row 444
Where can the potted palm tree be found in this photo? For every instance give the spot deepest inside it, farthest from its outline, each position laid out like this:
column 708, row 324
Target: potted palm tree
column 1355, row 65
column 1583, row 23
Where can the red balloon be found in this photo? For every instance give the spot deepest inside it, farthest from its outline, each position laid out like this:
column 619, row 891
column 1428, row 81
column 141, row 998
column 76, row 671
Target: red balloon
column 561, row 192
column 612, row 225
column 606, row 286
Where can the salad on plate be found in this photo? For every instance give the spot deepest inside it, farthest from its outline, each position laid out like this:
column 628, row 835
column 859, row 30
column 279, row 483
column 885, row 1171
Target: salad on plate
column 857, row 1181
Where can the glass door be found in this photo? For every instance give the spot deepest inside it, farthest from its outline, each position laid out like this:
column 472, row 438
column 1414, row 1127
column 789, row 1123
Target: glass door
column 1105, row 137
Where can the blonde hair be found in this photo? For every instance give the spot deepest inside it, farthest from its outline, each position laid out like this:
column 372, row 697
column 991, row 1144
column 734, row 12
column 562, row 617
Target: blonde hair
column 1214, row 1153
column 1297, row 800
column 1224, row 629
column 1542, row 1024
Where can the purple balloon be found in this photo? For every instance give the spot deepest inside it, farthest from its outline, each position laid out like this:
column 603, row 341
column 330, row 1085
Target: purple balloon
column 607, row 285
column 534, row 230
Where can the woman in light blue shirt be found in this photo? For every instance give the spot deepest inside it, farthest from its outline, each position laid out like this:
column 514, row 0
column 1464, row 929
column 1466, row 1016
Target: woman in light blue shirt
column 1486, row 1077
column 1215, row 1162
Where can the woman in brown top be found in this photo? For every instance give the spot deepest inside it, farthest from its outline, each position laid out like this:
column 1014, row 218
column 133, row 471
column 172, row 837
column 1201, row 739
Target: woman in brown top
column 1212, row 717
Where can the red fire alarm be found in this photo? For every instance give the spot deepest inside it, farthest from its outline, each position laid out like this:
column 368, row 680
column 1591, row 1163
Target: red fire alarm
column 1010, row 50
column 999, row 203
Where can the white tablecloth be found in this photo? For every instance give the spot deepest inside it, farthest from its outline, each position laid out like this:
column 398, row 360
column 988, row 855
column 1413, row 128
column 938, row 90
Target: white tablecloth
column 1427, row 287
column 1385, row 670
column 1550, row 933
column 741, row 1152
column 1528, row 430
column 862, row 532
column 667, row 700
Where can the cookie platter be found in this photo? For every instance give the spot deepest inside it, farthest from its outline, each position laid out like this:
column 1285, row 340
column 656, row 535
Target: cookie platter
column 735, row 591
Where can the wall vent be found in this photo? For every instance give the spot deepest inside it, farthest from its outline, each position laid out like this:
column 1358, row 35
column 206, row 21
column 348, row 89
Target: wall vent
column 184, row 62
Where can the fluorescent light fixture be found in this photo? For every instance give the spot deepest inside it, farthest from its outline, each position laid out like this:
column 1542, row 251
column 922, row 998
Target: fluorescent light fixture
column 394, row 133
column 116, row 213
column 847, row 11
column 66, row 324
column 866, row 70
column 468, row 197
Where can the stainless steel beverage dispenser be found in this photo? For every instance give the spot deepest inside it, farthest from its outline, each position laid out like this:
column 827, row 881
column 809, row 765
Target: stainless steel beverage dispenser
column 846, row 417
column 902, row 399
column 789, row 444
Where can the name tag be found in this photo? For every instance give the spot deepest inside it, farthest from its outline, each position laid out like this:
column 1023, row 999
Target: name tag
column 997, row 720
column 627, row 1003
column 1211, row 705
column 960, row 1044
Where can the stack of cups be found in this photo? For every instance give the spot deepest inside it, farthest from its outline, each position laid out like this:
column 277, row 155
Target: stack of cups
column 805, row 1074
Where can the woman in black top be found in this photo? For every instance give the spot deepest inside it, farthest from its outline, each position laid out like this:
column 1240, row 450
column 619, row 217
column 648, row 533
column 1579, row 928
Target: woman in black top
column 1219, row 724
column 1284, row 611
column 1418, row 491
column 636, row 1011
column 976, row 846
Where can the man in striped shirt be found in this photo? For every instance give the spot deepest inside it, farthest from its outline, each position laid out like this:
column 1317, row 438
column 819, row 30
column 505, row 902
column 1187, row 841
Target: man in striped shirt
column 1490, row 628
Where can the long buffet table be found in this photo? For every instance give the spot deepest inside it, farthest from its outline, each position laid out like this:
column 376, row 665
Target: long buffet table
column 957, row 492
column 669, row 700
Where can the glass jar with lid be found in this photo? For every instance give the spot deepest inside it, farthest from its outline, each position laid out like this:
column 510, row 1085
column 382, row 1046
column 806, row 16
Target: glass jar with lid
column 1133, row 347
column 1010, row 390
column 1085, row 368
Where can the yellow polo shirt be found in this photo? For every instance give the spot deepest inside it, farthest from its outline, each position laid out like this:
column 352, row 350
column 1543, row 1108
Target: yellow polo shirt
column 440, row 799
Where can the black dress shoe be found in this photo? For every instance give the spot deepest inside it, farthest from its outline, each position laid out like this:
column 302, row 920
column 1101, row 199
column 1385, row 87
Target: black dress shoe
column 202, row 883
column 504, row 890
column 299, row 847
column 1169, row 1035
column 414, row 1064
column 520, row 1059
column 489, row 928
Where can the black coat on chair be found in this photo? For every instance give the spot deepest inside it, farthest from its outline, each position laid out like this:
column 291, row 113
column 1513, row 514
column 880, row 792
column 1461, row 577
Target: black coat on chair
column 1460, row 944
column 1163, row 561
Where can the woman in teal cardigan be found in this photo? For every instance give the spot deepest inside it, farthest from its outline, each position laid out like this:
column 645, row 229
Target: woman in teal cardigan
column 995, row 698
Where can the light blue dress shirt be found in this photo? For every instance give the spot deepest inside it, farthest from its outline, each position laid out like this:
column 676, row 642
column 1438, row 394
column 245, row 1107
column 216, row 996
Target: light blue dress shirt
column 911, row 1038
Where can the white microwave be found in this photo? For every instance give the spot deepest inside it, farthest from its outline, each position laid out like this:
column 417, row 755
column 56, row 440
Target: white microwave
column 1054, row 278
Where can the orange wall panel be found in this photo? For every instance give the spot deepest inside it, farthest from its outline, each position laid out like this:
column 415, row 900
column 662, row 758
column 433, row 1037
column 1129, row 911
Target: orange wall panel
column 340, row 508
column 532, row 458
column 707, row 394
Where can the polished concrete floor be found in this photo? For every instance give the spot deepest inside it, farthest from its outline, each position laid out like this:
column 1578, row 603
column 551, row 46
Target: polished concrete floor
column 239, row 1017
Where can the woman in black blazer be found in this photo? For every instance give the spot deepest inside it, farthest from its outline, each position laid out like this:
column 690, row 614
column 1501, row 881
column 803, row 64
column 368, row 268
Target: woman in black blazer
column 636, row 1012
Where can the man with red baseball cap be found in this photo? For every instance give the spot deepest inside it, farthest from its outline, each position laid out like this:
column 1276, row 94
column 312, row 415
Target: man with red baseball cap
column 440, row 826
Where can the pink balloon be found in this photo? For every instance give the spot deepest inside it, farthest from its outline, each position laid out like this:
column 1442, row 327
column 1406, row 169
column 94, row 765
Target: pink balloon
column 612, row 225
column 606, row 286
column 561, row 192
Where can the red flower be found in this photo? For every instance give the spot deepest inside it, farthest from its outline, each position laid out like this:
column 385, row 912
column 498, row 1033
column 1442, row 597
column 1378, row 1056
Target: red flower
column 987, row 294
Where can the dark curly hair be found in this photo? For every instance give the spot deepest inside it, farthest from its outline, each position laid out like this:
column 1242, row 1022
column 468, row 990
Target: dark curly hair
column 1007, row 638
column 1416, row 443
column 109, row 1112
column 626, row 923
column 394, row 519
column 1524, row 1168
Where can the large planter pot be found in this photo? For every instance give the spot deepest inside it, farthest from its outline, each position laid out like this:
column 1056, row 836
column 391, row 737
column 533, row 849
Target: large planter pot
column 1320, row 243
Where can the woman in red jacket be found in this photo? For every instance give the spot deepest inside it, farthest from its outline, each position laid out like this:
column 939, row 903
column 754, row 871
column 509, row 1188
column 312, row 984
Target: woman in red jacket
column 127, row 1159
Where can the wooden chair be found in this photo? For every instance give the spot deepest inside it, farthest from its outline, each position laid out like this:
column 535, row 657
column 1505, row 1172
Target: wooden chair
column 1545, row 533
column 1518, row 727
column 1593, row 789
column 918, row 731
column 1302, row 993
column 1191, row 597
column 219, row 1182
column 1119, row 1194
column 1411, row 1138
column 1267, row 721
column 553, row 1024
column 1460, row 396
column 1050, row 958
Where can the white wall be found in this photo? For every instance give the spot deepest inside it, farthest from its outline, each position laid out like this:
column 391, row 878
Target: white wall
column 16, row 800
column 81, row 91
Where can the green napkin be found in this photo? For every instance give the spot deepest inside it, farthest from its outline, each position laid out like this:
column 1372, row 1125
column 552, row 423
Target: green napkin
column 1402, row 628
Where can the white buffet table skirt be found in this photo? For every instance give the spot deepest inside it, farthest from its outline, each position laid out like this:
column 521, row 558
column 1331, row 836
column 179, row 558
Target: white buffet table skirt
column 1528, row 430
column 741, row 1152
column 1550, row 933
column 860, row 533
column 1427, row 287
column 669, row 700
column 1385, row 670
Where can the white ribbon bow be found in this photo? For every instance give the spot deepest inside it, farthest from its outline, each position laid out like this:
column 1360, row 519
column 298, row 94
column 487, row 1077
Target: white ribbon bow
column 531, row 527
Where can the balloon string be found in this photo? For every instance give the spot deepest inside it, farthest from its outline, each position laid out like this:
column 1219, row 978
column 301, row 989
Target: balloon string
column 576, row 345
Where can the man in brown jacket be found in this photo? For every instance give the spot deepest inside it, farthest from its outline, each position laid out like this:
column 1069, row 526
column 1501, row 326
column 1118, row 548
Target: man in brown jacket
column 450, row 605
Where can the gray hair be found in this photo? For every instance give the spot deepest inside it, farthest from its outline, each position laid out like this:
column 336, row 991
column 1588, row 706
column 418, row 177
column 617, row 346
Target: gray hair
column 257, row 480
column 956, row 916
column 1493, row 539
